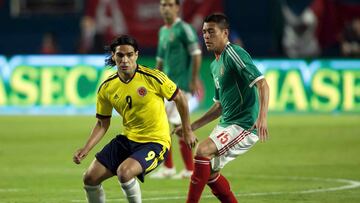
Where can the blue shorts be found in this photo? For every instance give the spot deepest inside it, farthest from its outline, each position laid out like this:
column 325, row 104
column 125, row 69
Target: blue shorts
column 149, row 155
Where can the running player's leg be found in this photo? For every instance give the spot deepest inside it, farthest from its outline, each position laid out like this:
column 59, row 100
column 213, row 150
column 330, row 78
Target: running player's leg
column 126, row 173
column 145, row 158
column 220, row 187
column 202, row 169
column 116, row 152
column 231, row 142
column 93, row 177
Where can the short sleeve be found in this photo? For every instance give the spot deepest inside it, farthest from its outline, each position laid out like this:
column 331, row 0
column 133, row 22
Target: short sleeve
column 191, row 39
column 160, row 48
column 169, row 89
column 244, row 65
column 103, row 105
column 166, row 87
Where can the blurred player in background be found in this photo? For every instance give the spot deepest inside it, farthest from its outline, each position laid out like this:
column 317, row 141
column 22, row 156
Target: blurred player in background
column 241, row 99
column 179, row 56
column 137, row 93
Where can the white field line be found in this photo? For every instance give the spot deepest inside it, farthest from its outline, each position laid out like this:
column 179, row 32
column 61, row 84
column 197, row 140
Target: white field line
column 348, row 184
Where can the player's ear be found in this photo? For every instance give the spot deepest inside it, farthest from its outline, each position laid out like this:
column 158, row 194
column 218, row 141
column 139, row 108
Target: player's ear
column 226, row 32
column 136, row 54
column 112, row 56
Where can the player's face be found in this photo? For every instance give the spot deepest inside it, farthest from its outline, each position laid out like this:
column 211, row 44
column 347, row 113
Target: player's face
column 169, row 10
column 215, row 38
column 125, row 58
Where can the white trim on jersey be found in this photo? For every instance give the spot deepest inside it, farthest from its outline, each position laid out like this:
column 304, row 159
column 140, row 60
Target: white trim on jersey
column 188, row 31
column 194, row 49
column 176, row 21
column 233, row 55
column 257, row 79
column 195, row 52
column 159, row 59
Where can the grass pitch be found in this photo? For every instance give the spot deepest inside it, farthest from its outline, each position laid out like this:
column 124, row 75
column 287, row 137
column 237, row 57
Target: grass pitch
column 309, row 158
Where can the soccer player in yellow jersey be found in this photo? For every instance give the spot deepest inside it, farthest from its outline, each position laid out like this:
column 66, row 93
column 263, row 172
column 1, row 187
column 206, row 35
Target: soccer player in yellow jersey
column 137, row 93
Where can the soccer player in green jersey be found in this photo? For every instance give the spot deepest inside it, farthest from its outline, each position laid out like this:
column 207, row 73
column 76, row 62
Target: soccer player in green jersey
column 241, row 102
column 137, row 93
column 179, row 56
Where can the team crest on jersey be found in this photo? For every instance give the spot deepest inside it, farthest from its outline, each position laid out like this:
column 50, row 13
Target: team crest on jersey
column 142, row 91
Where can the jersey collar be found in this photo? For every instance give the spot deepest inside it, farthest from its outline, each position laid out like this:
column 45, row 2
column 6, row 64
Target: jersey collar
column 175, row 21
column 217, row 56
column 127, row 82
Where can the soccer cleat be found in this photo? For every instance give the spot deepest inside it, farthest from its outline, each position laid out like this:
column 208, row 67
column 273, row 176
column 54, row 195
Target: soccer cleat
column 163, row 172
column 184, row 174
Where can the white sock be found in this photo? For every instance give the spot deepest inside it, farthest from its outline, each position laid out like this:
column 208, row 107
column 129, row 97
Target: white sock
column 95, row 194
column 132, row 190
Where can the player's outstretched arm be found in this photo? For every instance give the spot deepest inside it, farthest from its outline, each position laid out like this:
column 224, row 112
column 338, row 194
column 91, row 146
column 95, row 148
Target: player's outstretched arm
column 261, row 122
column 213, row 113
column 182, row 106
column 99, row 130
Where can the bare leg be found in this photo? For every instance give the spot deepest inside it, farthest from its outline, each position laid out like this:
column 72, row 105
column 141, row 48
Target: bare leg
column 126, row 174
column 93, row 177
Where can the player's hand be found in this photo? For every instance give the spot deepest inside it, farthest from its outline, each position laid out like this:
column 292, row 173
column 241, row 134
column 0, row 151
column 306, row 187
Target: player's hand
column 79, row 155
column 190, row 139
column 177, row 130
column 262, row 130
column 196, row 87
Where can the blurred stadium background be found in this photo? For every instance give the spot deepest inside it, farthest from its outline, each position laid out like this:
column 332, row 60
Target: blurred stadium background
column 51, row 63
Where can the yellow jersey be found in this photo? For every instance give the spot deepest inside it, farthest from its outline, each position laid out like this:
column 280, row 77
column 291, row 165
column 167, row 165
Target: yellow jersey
column 140, row 102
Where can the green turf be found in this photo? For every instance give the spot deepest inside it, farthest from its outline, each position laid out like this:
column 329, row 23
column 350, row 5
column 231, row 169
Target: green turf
column 305, row 153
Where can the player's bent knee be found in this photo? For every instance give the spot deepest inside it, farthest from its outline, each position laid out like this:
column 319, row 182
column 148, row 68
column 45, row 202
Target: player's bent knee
column 206, row 148
column 203, row 151
column 89, row 179
column 125, row 173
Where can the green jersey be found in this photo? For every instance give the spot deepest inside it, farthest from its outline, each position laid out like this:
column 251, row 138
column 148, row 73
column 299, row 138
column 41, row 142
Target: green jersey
column 234, row 75
column 177, row 43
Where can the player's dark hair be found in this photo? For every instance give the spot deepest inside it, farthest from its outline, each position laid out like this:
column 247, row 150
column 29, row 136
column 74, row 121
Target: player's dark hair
column 177, row 2
column 121, row 40
column 218, row 18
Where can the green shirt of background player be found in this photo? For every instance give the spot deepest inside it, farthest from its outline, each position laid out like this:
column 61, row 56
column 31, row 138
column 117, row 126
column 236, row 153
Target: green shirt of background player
column 179, row 57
